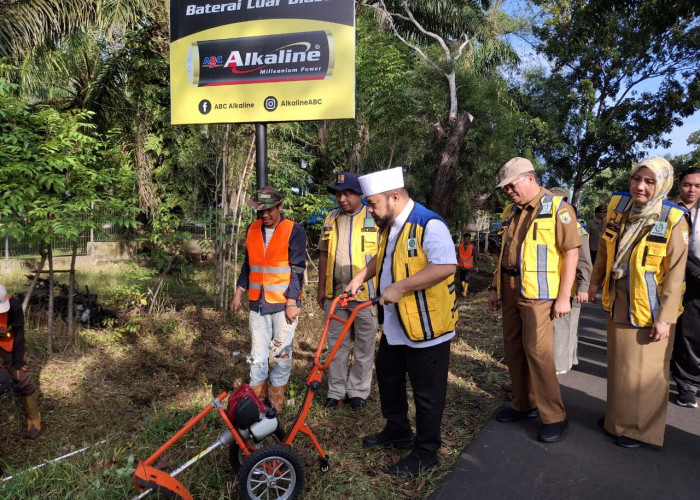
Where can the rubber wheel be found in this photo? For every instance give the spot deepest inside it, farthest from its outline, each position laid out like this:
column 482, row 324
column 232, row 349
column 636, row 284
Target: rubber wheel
column 236, row 456
column 271, row 473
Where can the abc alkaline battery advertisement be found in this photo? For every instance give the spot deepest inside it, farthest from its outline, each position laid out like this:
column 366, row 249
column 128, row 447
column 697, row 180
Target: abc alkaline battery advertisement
column 247, row 61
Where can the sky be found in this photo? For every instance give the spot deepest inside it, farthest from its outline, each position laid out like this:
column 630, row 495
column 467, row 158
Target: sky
column 678, row 136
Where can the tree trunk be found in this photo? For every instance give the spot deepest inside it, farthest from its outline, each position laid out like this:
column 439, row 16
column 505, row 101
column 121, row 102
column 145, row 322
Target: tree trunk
column 161, row 279
column 71, row 288
column 147, row 197
column 237, row 204
column 441, row 197
column 27, row 298
column 49, row 313
column 221, row 244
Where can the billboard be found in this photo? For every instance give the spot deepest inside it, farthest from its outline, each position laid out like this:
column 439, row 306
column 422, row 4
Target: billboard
column 256, row 61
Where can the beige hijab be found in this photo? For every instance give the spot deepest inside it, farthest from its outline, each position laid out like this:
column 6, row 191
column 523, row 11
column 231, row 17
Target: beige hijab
column 642, row 215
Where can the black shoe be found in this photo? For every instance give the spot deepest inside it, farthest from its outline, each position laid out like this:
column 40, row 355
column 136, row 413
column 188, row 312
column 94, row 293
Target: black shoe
column 511, row 415
column 626, row 442
column 413, row 465
column 331, row 403
column 687, row 399
column 385, row 440
column 357, row 403
column 601, row 424
column 551, row 433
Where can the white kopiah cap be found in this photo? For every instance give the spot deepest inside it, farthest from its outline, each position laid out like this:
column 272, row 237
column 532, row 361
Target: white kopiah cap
column 382, row 181
column 4, row 301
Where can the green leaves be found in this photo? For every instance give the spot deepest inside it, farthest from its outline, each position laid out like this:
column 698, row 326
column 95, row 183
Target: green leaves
column 624, row 75
column 60, row 178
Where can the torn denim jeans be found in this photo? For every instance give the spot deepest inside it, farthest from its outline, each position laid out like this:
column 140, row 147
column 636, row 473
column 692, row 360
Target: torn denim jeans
column 271, row 337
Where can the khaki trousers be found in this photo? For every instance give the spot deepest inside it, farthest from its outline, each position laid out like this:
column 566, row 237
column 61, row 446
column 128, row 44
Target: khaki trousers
column 527, row 340
column 357, row 381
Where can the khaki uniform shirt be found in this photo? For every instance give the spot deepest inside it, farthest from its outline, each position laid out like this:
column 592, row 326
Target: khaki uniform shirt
column 595, row 229
column 342, row 272
column 566, row 234
column 673, row 281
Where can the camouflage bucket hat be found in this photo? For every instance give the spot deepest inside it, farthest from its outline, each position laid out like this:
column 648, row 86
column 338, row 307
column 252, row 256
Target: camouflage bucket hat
column 266, row 198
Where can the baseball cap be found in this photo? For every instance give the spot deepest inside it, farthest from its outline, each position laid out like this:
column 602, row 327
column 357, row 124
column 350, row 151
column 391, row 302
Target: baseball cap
column 346, row 181
column 4, row 301
column 512, row 169
column 266, row 198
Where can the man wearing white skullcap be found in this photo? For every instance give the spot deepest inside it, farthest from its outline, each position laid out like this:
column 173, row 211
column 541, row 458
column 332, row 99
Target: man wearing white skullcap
column 415, row 266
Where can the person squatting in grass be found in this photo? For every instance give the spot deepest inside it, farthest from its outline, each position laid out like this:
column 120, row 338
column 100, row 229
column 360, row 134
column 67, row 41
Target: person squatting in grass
column 13, row 357
column 415, row 266
column 348, row 242
column 273, row 273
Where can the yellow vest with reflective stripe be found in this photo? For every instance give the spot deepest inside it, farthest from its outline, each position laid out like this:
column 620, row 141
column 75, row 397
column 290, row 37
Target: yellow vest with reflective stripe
column 424, row 314
column 540, row 261
column 647, row 269
column 363, row 246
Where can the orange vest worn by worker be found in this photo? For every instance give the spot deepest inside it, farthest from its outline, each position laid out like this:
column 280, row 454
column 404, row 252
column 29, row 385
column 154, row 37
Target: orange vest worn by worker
column 466, row 256
column 270, row 270
column 7, row 340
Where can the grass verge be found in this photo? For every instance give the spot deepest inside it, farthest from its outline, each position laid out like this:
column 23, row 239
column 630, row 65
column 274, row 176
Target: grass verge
column 136, row 387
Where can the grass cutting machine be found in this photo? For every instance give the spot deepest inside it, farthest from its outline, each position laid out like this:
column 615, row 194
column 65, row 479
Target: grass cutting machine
column 259, row 448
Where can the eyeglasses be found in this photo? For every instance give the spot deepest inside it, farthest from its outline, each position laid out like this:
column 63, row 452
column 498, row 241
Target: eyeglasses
column 511, row 186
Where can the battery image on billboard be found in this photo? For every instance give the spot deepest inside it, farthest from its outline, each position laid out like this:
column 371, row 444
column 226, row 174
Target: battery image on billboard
column 286, row 57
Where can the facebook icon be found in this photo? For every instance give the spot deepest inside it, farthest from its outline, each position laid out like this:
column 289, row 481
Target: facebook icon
column 204, row 106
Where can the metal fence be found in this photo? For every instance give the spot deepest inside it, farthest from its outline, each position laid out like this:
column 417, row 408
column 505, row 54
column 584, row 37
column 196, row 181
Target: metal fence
column 12, row 247
column 19, row 248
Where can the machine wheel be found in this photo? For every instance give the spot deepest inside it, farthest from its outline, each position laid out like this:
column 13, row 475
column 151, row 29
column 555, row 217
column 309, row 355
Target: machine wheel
column 236, row 456
column 271, row 473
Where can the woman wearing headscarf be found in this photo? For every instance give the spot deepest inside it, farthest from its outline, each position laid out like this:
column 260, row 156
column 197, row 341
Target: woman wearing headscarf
column 640, row 264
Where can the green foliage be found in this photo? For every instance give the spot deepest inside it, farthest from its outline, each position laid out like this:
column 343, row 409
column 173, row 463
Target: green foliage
column 597, row 103
column 131, row 290
column 61, row 179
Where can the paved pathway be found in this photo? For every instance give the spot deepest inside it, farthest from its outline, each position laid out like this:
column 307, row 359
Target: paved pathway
column 505, row 461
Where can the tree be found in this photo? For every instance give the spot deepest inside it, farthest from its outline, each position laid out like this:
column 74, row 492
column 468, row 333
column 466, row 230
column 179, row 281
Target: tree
column 625, row 73
column 447, row 35
column 26, row 24
column 60, row 179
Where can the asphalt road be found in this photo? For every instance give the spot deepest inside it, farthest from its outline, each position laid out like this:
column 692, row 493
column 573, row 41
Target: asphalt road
column 505, row 461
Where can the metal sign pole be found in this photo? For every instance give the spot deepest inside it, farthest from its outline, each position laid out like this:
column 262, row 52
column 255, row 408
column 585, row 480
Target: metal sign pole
column 261, row 154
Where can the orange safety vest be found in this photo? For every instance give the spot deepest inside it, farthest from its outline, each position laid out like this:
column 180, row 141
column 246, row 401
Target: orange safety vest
column 466, row 256
column 7, row 340
column 270, row 269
